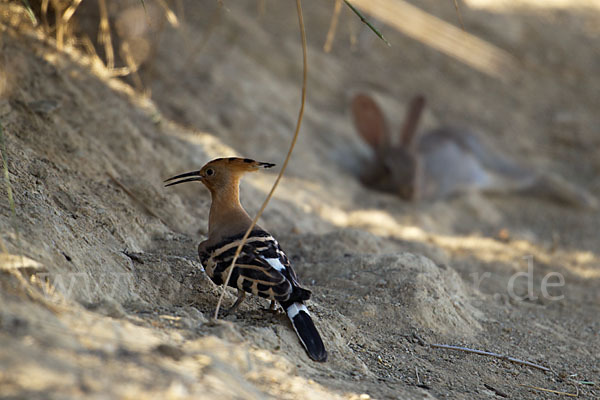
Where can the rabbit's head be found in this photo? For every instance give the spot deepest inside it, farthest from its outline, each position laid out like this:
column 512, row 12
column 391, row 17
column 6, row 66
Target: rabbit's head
column 394, row 167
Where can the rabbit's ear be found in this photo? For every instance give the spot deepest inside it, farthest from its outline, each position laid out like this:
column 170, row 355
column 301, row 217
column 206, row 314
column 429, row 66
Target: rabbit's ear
column 369, row 121
column 411, row 121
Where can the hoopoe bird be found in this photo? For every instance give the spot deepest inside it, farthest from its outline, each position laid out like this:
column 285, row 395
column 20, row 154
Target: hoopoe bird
column 262, row 267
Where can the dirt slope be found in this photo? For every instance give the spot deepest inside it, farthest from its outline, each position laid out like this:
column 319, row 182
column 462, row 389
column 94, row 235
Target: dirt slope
column 117, row 304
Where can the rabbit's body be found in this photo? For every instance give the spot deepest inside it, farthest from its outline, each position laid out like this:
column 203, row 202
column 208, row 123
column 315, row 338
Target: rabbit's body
column 446, row 162
column 453, row 161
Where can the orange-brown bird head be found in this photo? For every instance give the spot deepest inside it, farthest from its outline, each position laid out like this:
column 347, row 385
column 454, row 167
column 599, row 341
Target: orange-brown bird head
column 221, row 173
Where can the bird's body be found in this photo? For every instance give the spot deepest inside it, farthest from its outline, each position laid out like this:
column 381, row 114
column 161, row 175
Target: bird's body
column 262, row 267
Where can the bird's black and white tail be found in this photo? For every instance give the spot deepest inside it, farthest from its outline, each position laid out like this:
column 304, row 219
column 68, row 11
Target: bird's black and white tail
column 306, row 330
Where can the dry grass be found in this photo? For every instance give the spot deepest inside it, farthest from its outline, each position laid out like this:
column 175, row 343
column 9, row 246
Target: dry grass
column 287, row 158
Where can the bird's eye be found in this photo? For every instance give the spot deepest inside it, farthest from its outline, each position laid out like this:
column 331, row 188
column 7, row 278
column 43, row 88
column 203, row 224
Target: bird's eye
column 210, row 172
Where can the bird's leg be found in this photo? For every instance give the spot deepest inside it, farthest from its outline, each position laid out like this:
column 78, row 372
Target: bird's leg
column 240, row 299
column 273, row 308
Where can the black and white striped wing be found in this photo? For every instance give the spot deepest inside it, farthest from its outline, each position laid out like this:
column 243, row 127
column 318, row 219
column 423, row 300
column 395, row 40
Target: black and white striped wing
column 261, row 269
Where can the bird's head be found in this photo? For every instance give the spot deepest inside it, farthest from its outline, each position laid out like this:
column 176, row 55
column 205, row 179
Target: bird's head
column 220, row 173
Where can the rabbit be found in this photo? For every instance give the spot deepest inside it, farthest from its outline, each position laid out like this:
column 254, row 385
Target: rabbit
column 446, row 161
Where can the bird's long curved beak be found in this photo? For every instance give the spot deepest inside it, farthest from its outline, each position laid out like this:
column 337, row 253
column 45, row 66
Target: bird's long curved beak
column 193, row 176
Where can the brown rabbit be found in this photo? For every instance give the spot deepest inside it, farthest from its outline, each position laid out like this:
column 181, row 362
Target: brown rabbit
column 446, row 161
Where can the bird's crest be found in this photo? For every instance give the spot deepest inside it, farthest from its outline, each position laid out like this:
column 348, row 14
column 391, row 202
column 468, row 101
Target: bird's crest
column 234, row 168
column 240, row 164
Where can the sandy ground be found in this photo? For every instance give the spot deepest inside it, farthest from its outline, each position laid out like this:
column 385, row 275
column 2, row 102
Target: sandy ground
column 109, row 299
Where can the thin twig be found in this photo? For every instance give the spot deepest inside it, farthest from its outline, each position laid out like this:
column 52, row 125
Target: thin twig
column 479, row 54
column 496, row 355
column 105, row 36
column 85, row 42
column 57, row 20
column 364, row 20
column 582, row 382
column 61, row 28
column 332, row 26
column 44, row 12
column 552, row 391
column 132, row 66
column 68, row 14
column 169, row 14
column 287, row 158
column 459, row 14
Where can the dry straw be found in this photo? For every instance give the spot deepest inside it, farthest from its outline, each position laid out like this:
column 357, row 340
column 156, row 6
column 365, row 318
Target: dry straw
column 285, row 163
column 294, row 139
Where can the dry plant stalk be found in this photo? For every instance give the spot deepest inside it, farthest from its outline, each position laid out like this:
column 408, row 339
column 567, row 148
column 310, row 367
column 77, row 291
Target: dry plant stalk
column 44, row 12
column 104, row 36
column 169, row 14
column 62, row 21
column 337, row 8
column 553, row 391
column 285, row 163
column 469, row 49
column 490, row 354
column 132, row 67
column 462, row 25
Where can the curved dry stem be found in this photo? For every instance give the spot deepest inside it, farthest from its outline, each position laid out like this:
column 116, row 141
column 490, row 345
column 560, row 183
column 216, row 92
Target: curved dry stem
column 285, row 163
column 63, row 22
